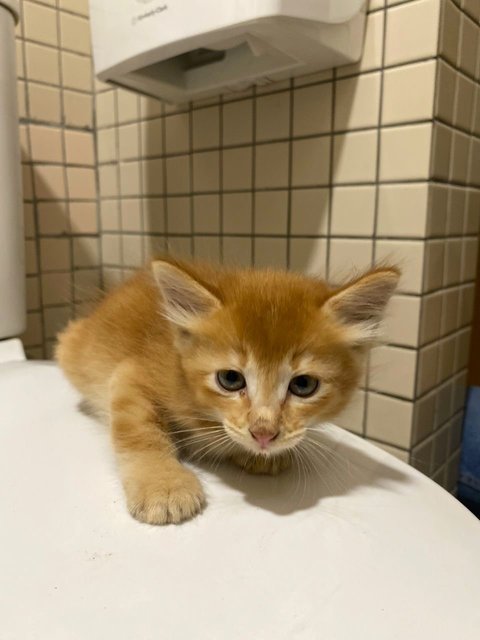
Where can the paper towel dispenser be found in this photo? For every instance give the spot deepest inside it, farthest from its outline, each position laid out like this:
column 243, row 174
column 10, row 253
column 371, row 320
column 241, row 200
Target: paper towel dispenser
column 181, row 50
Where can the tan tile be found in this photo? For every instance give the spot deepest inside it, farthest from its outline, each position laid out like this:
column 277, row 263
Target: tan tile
column 462, row 349
column 271, row 212
column 22, row 99
column 422, row 457
column 86, row 284
column 55, row 320
column 206, row 128
column 402, row 210
column 309, row 255
column 46, row 144
column 453, row 262
column 150, row 107
column 237, row 168
column 78, row 109
column 412, row 31
column 206, row 213
column 446, row 88
column 472, row 222
column 131, row 214
column 44, row 103
column 49, row 182
column 56, row 288
column 55, row 254
column 151, row 135
column 434, row 264
column 74, row 33
column 271, row 252
column 79, row 148
column 86, row 252
column 108, row 181
column 180, row 247
column 272, row 165
column 400, row 454
column 409, row 256
column 129, row 141
column 312, row 110
column 130, row 178
column 431, row 317
column 111, row 249
column 474, row 164
column 237, row 251
column 457, row 210
column 31, row 258
column 437, row 210
column 76, row 71
column 238, row 122
column 132, row 250
column 178, row 174
column 33, row 293
column 470, row 259
column 389, row 419
column 309, row 215
column 408, row 93
column 273, row 116
column 237, row 213
column 355, row 157
column 39, row 23
column 76, row 6
column 83, row 217
column 81, row 183
column 177, row 132
column 109, row 215
column 449, row 32
column 153, row 215
column 392, row 370
column 206, row 171
column 106, row 145
column 33, row 334
column 311, row 162
column 53, row 218
column 464, row 103
column 428, row 368
column 442, row 151
column 29, row 220
column 466, row 305
column 353, row 211
column 128, row 106
column 348, row 255
column 352, row 416
column 105, row 108
column 42, row 63
column 405, row 152
column 154, row 246
column 179, row 215
column 402, row 321
column 152, row 175
column 424, row 417
column 357, row 102
column 206, row 248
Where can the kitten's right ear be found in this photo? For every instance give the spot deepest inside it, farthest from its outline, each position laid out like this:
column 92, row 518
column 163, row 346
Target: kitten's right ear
column 185, row 299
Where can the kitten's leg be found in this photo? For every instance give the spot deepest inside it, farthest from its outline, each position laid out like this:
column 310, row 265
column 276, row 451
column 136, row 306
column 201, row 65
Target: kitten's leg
column 159, row 490
column 262, row 465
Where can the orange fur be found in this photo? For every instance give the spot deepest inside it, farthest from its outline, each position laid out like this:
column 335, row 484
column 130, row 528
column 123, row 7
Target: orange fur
column 147, row 356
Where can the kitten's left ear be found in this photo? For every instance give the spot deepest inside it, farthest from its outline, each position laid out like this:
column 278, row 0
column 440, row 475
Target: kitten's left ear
column 360, row 305
column 185, row 299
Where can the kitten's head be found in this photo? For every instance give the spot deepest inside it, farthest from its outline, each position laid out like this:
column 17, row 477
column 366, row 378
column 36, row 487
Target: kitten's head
column 270, row 354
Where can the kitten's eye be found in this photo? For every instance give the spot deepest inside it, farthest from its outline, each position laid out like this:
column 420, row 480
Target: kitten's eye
column 303, row 386
column 231, row 380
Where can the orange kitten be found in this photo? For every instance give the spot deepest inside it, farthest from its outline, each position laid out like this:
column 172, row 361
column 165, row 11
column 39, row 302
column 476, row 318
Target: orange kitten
column 234, row 362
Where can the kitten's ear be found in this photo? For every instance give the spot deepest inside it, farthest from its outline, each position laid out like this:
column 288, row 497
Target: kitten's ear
column 359, row 306
column 185, row 299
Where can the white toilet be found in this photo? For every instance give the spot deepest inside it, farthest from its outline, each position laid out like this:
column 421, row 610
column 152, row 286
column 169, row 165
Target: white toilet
column 369, row 549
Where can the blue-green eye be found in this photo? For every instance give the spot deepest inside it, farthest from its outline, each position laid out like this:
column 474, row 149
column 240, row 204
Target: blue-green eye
column 303, row 386
column 231, row 380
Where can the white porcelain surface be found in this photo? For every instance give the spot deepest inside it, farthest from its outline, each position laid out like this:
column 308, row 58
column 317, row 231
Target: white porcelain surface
column 371, row 550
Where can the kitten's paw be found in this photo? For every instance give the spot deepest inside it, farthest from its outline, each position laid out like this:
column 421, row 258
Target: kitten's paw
column 165, row 500
column 271, row 465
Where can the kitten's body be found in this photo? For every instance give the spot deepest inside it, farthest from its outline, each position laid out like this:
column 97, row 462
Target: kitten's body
column 147, row 358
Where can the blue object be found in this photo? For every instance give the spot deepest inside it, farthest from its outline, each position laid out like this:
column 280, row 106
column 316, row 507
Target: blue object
column 469, row 481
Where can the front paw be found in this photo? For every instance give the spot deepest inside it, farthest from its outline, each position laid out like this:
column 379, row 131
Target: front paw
column 168, row 498
column 263, row 465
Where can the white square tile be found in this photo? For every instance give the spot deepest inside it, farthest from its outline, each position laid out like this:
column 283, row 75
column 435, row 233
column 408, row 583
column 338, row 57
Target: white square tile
column 412, row 31
column 442, row 151
column 312, row 110
column 311, row 162
column 177, row 133
column 270, row 252
column 272, row 165
column 405, row 152
column 353, row 211
column 237, row 251
column 237, row 213
column 206, row 128
column 352, row 417
column 238, row 122
column 470, row 259
column 434, row 264
column 237, row 168
column 130, row 178
column 389, row 419
column 309, row 255
column 402, row 321
column 206, row 248
column 206, row 171
column 357, row 102
column 206, row 214
column 431, row 317
column 355, row 157
column 273, row 116
column 392, row 370
column 179, row 215
column 428, row 367
column 408, row 255
column 402, row 210
column 446, row 89
column 178, row 174
column 309, row 216
column 449, row 32
column 271, row 212
column 453, row 262
column 408, row 93
column 372, row 50
column 131, row 214
column 151, row 135
column 459, row 164
column 347, row 256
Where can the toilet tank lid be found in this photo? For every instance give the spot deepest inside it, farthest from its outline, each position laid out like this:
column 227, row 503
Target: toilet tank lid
column 14, row 7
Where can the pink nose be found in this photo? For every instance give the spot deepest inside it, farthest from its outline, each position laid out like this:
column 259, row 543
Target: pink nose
column 263, row 438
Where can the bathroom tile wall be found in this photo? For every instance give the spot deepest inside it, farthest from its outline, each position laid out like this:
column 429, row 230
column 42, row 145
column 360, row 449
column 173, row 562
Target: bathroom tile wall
column 56, row 104
column 375, row 161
